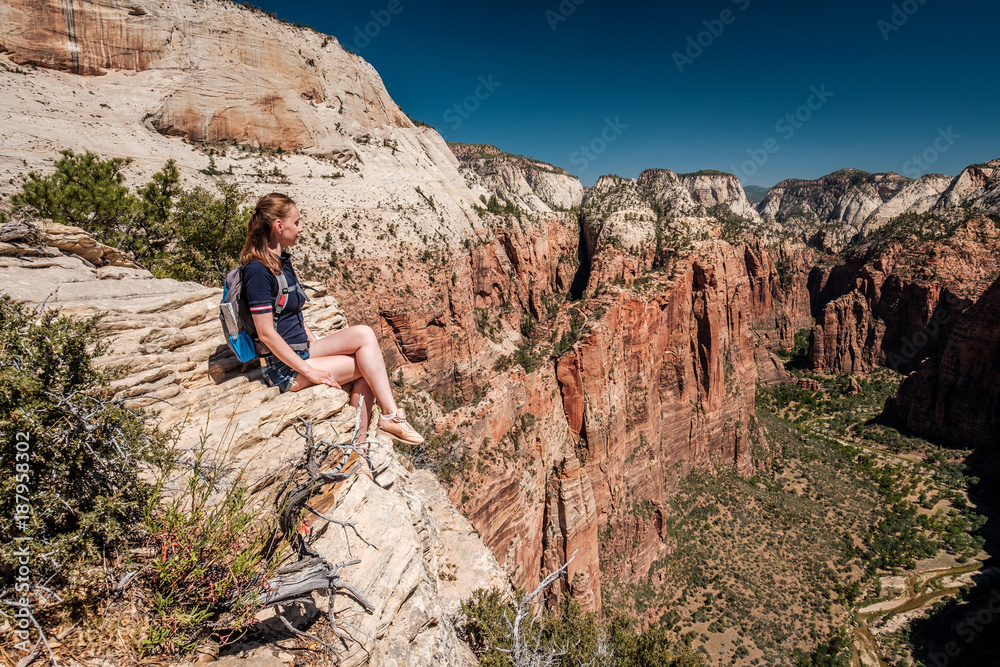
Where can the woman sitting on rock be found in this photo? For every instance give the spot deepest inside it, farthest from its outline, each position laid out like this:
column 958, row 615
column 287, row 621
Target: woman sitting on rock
column 295, row 358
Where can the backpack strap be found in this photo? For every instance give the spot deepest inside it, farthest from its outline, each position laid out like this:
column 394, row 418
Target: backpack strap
column 280, row 301
column 264, row 350
column 282, row 298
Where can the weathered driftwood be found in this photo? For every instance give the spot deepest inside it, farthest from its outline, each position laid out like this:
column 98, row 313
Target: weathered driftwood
column 18, row 229
column 308, row 575
column 308, row 570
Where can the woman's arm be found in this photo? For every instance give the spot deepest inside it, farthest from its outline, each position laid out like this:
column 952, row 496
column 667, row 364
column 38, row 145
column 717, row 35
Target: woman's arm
column 279, row 348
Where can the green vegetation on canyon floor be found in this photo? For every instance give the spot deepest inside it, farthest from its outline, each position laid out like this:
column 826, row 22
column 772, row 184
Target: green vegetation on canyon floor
column 771, row 569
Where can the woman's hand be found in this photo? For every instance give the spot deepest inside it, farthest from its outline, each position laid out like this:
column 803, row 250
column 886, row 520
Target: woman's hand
column 318, row 376
column 280, row 349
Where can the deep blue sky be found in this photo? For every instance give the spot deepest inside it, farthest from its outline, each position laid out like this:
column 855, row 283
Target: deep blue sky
column 894, row 92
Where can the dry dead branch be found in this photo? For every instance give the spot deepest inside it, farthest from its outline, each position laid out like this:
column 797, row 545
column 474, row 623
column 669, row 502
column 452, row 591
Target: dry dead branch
column 531, row 653
column 322, row 463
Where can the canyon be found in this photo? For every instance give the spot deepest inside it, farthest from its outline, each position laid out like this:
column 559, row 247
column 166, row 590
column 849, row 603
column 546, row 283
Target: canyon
column 576, row 352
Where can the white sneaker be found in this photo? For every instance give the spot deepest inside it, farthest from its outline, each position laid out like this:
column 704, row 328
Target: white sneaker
column 399, row 428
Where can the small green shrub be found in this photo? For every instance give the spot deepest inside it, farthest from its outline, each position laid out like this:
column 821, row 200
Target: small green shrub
column 209, row 562
column 175, row 233
column 574, row 637
column 81, row 470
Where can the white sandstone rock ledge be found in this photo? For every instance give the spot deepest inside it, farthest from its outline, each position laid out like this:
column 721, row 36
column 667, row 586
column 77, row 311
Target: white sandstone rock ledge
column 166, row 333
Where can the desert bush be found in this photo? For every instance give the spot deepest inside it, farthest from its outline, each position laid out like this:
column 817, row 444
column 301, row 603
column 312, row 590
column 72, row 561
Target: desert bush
column 176, row 233
column 835, row 651
column 568, row 637
column 81, row 475
column 84, row 191
column 210, row 232
column 209, row 562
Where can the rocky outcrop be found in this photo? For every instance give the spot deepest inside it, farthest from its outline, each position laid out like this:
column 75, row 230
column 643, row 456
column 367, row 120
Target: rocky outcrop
column 167, row 337
column 223, row 72
column 638, row 216
column 237, row 86
column 917, row 196
column 713, row 188
column 978, row 187
column 770, row 369
column 633, row 226
column 518, row 181
column 85, row 38
column 830, row 211
column 954, row 398
column 895, row 304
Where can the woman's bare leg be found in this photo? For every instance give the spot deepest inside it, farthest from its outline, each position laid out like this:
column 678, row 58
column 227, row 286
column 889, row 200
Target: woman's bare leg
column 359, row 391
column 349, row 354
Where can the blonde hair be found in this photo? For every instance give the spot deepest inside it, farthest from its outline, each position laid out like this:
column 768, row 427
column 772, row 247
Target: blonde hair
column 269, row 208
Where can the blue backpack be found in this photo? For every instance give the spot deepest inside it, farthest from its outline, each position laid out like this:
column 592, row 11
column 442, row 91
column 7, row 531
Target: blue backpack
column 237, row 323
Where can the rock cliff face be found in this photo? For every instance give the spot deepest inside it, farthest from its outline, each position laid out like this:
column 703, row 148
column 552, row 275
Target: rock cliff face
column 917, row 196
column 780, row 303
column 519, row 181
column 954, row 397
column 710, row 189
column 134, row 79
column 578, row 455
column 895, row 304
column 167, row 334
column 828, row 212
column 978, row 186
column 662, row 382
column 223, row 73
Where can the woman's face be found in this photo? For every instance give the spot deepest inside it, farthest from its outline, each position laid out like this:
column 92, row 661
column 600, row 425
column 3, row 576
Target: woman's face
column 288, row 228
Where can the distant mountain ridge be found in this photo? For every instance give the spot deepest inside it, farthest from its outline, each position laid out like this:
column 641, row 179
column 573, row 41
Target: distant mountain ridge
column 523, row 182
column 831, row 211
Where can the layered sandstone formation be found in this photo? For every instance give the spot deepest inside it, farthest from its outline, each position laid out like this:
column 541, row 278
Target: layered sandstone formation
column 954, row 398
column 894, row 304
column 830, row 211
column 917, row 196
column 711, row 188
column 220, row 75
column 144, row 79
column 978, row 186
column 427, row 558
column 527, row 184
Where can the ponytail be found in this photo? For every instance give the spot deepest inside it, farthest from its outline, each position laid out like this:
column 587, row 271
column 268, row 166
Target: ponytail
column 269, row 208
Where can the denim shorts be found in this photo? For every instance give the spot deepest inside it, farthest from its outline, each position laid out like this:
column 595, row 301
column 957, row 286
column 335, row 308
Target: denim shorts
column 279, row 374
